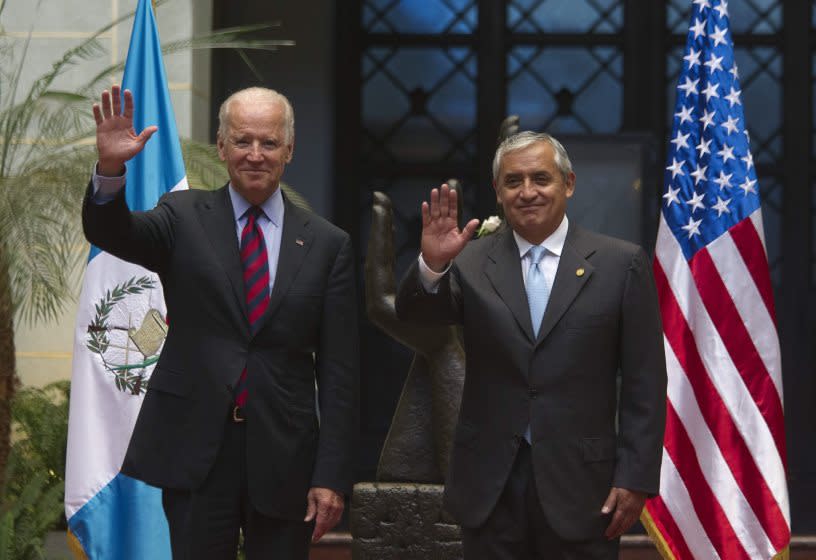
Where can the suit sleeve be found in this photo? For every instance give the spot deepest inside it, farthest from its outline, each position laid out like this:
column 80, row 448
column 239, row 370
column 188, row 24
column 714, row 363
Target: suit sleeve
column 642, row 408
column 414, row 304
column 337, row 372
column 143, row 238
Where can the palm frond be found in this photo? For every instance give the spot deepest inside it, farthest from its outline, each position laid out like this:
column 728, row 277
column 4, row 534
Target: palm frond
column 40, row 229
column 229, row 38
column 205, row 170
column 295, row 197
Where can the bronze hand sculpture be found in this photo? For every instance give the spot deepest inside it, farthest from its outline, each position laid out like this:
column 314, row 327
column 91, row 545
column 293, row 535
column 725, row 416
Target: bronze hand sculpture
column 417, row 448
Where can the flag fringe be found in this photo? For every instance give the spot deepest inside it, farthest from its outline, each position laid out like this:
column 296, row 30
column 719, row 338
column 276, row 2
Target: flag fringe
column 75, row 546
column 783, row 554
column 657, row 537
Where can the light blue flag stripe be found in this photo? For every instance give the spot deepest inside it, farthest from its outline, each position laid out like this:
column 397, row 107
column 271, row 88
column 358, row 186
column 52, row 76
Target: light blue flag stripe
column 125, row 519
column 160, row 166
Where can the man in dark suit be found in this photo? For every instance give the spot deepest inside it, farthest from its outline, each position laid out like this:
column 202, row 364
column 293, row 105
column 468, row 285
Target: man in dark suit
column 552, row 313
column 260, row 298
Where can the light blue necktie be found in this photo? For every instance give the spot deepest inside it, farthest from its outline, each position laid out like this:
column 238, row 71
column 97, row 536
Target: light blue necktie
column 538, row 291
column 538, row 294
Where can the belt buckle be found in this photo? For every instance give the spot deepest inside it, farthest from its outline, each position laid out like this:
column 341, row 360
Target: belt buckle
column 237, row 415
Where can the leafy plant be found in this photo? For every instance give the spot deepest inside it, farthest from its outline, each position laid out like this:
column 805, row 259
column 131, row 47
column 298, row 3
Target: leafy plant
column 31, row 499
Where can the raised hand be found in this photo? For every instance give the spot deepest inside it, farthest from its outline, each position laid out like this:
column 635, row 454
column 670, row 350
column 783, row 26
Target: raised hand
column 116, row 140
column 442, row 239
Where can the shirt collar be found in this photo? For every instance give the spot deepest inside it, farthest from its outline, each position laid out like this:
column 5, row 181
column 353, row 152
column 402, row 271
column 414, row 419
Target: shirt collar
column 272, row 207
column 554, row 243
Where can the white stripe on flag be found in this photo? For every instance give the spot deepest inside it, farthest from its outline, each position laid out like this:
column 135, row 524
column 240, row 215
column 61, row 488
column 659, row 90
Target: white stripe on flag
column 756, row 219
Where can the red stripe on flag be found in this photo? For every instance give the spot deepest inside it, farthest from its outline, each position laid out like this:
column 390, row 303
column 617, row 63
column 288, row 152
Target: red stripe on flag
column 664, row 522
column 709, row 511
column 737, row 341
column 716, row 415
column 750, row 247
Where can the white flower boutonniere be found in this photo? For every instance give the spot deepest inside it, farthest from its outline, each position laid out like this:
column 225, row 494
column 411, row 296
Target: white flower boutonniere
column 489, row 226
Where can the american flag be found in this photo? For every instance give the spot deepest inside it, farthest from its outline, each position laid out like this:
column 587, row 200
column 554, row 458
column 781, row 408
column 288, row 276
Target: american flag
column 723, row 492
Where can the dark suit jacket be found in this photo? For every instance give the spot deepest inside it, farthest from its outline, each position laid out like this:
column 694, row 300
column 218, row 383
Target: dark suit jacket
column 308, row 333
column 602, row 318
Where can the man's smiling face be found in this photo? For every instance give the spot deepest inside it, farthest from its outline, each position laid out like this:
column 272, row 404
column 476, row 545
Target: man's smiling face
column 532, row 191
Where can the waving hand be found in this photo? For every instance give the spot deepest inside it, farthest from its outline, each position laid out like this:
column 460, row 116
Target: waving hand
column 442, row 239
column 116, row 140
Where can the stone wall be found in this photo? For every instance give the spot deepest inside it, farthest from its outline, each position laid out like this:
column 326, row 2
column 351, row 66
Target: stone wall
column 402, row 521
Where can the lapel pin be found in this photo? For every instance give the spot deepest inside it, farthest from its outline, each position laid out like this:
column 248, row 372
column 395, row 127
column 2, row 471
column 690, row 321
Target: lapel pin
column 299, row 242
column 579, row 272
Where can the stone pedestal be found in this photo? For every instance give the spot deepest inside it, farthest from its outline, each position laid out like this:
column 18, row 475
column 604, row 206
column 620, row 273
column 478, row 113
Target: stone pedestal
column 402, row 521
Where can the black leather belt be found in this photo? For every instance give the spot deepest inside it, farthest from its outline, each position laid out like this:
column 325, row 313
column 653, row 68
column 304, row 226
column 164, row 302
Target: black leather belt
column 238, row 414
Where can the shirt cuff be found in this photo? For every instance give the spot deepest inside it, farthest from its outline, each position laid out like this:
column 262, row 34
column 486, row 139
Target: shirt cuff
column 428, row 278
column 106, row 188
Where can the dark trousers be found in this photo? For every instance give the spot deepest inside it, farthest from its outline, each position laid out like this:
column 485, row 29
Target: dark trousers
column 204, row 523
column 517, row 529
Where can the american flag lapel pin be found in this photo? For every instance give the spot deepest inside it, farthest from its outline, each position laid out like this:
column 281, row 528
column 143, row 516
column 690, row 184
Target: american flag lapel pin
column 299, row 241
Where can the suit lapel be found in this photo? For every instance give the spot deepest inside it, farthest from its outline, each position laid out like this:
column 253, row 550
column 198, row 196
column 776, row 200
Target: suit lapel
column 503, row 269
column 296, row 242
column 568, row 281
column 218, row 221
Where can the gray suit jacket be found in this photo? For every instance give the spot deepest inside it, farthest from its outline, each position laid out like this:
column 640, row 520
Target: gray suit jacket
column 591, row 385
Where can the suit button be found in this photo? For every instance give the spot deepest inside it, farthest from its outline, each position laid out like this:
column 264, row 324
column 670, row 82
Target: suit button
column 533, row 393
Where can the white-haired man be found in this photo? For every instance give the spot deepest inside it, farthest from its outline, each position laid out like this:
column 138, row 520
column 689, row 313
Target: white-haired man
column 260, row 296
column 551, row 313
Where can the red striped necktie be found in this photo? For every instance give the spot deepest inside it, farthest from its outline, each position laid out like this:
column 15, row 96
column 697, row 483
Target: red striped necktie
column 256, row 282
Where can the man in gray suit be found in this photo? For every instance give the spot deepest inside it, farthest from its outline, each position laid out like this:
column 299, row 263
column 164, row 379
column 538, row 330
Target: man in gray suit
column 552, row 458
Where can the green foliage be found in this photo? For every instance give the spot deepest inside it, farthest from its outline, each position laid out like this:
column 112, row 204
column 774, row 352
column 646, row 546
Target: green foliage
column 31, row 501
column 40, row 424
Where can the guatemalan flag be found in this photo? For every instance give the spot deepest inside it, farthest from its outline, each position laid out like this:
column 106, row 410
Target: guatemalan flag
column 120, row 329
column 723, row 491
